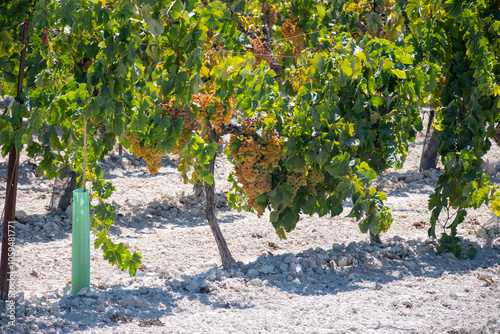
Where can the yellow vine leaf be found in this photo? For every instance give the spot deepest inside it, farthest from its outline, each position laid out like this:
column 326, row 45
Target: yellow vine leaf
column 495, row 207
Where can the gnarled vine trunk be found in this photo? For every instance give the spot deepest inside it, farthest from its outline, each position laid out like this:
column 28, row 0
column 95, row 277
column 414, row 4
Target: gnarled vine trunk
column 227, row 259
column 429, row 158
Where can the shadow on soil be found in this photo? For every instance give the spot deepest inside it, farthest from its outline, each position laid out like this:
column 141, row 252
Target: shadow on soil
column 145, row 217
column 267, row 271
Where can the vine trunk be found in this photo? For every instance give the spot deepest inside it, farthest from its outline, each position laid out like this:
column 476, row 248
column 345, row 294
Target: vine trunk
column 228, row 261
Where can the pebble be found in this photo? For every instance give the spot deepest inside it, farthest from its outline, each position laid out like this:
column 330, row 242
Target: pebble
column 266, row 269
column 164, row 273
column 410, row 265
column 449, row 256
column 337, row 247
column 257, row 282
column 343, row 262
column 193, row 286
column 154, row 205
column 284, row 267
column 92, row 294
column 295, row 268
column 489, row 167
column 75, row 302
column 34, row 327
column 20, row 215
column 22, row 227
column 291, row 259
column 353, row 245
column 252, row 272
column 333, row 265
column 175, row 284
column 69, row 211
column 124, row 162
column 134, row 301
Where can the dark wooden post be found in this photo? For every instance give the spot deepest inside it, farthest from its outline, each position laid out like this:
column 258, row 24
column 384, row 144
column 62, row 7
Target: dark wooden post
column 11, row 192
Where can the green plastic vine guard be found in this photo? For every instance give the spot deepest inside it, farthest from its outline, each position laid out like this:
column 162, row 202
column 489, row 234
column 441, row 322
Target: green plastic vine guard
column 80, row 277
column 80, row 271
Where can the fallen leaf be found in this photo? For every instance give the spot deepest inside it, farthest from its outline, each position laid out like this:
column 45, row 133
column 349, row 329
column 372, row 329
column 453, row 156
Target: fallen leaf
column 418, row 224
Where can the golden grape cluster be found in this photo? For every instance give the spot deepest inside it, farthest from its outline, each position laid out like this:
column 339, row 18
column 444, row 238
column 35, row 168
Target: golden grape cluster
column 260, row 51
column 222, row 114
column 146, row 152
column 176, row 113
column 255, row 160
column 294, row 34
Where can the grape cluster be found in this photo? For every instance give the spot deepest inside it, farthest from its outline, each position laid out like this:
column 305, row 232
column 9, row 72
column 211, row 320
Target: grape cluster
column 222, row 114
column 84, row 64
column 254, row 161
column 294, row 34
column 176, row 113
column 260, row 51
column 297, row 178
column 146, row 152
column 305, row 177
column 313, row 178
column 270, row 14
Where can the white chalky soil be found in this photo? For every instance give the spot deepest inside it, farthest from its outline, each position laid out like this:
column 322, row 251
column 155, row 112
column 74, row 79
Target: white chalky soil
column 325, row 278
